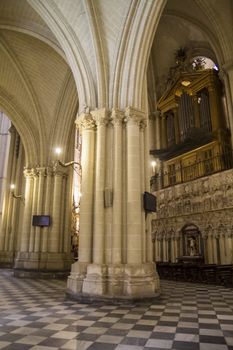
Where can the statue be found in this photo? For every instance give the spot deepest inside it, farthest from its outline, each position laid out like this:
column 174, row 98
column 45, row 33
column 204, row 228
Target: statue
column 192, row 246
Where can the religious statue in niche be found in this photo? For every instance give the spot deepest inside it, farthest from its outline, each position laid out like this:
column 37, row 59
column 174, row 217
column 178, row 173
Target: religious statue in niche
column 192, row 246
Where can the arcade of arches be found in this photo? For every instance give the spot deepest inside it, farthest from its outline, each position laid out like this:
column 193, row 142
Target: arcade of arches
column 102, row 101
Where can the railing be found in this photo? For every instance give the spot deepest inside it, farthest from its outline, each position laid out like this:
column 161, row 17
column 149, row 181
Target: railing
column 191, row 272
column 193, row 171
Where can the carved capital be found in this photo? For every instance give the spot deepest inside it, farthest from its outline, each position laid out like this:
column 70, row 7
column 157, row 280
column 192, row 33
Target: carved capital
column 85, row 121
column 30, row 172
column 228, row 66
column 229, row 232
column 12, row 129
column 152, row 117
column 49, row 171
column 60, row 172
column 134, row 116
column 143, row 124
column 156, row 114
column 100, row 116
column 41, row 171
column 117, row 117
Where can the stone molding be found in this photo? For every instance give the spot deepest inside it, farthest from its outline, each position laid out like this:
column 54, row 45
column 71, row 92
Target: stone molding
column 117, row 117
column 85, row 121
column 209, row 194
column 30, row 172
column 100, row 116
column 134, row 116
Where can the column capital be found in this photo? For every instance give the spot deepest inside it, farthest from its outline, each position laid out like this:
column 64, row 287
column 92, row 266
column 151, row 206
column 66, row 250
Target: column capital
column 41, row 171
column 134, row 115
column 143, row 124
column 60, row 172
column 49, row 171
column 30, row 172
column 85, row 121
column 152, row 117
column 117, row 116
column 12, row 129
column 100, row 116
column 155, row 114
column 228, row 66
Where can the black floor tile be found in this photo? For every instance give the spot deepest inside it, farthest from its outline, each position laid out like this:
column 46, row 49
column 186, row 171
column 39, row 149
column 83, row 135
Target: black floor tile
column 212, row 339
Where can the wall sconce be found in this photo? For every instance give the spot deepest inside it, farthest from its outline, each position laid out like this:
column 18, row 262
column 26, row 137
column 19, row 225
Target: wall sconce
column 58, row 151
column 72, row 163
column 185, row 83
column 19, row 196
column 153, row 164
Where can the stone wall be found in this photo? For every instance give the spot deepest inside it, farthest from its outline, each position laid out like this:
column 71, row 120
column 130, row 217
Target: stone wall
column 207, row 204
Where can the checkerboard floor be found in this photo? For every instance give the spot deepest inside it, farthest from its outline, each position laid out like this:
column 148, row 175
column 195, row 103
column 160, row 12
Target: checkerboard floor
column 36, row 315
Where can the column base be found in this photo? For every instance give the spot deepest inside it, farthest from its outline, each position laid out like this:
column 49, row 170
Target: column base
column 6, row 259
column 39, row 264
column 123, row 282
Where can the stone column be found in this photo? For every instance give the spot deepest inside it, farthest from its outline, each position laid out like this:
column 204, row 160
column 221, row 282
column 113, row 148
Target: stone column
column 47, row 205
column 134, row 194
column 4, row 156
column 145, row 236
column 33, row 212
column 76, row 283
column 227, row 76
column 96, row 272
column 164, row 248
column 175, row 243
column 152, row 131
column 157, row 130
column 164, row 132
column 173, row 257
column 117, row 119
column 159, row 242
column 55, row 233
column 215, row 242
column 94, row 277
column 222, row 247
column 176, row 125
column 87, row 125
column 196, row 112
column 205, row 243
column 7, row 203
column 215, row 107
column 17, row 203
column 27, row 218
column 100, row 117
column 228, row 244
column 40, row 197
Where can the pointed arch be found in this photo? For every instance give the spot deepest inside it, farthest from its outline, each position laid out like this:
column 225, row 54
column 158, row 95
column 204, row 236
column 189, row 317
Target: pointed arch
column 70, row 44
column 25, row 130
column 134, row 53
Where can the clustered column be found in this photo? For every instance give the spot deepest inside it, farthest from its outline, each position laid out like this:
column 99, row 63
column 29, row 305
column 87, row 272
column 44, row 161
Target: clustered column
column 27, row 219
column 101, row 118
column 129, row 271
column 117, row 119
column 87, row 125
column 55, row 234
column 134, row 193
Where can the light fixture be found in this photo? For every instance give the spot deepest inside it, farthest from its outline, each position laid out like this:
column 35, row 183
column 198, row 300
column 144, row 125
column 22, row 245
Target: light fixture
column 71, row 163
column 185, row 83
column 19, row 196
column 58, row 150
column 153, row 164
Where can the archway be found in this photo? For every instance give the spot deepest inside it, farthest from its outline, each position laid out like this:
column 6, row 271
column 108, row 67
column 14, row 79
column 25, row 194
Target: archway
column 40, row 98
